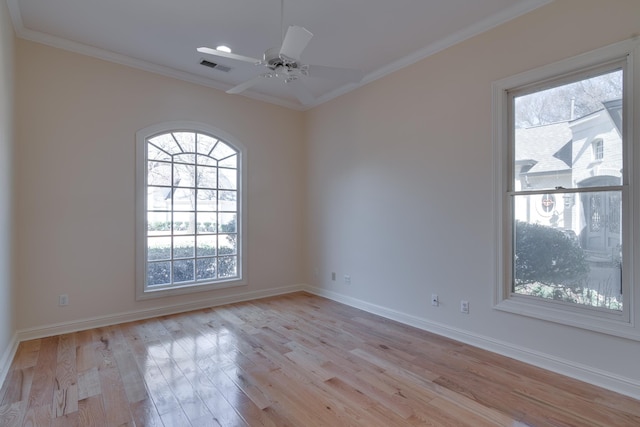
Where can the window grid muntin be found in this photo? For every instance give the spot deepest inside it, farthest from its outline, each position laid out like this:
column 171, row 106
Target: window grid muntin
column 218, row 258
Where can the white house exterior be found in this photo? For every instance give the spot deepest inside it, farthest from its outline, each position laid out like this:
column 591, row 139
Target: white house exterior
column 583, row 152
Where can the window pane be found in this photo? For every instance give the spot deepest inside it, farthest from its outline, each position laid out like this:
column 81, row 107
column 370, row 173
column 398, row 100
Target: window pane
column 183, row 223
column 227, row 244
column 229, row 162
column 207, row 177
column 222, row 151
column 568, row 247
column 184, row 199
column 206, row 268
column 158, row 273
column 555, row 129
column 227, row 222
column 227, row 201
column 183, row 246
column 227, row 266
column 159, row 198
column 183, row 270
column 206, row 160
column 155, row 153
column 159, row 173
column 166, row 143
column 186, row 141
column 207, row 200
column 228, row 178
column 158, row 223
column 184, row 175
column 158, row 248
column 205, row 144
column 207, row 245
column 206, row 222
column 184, row 158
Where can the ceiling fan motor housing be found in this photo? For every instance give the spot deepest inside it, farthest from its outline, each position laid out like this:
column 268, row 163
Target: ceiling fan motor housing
column 273, row 59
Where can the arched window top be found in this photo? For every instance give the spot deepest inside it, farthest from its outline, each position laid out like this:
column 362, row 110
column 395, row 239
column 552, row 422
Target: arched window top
column 191, row 147
column 189, row 137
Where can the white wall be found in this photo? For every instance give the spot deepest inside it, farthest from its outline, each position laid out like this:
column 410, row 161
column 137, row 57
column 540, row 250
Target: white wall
column 400, row 190
column 7, row 326
column 77, row 119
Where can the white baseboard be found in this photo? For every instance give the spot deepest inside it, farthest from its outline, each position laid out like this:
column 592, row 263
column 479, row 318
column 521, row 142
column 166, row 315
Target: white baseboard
column 7, row 358
column 102, row 321
column 565, row 367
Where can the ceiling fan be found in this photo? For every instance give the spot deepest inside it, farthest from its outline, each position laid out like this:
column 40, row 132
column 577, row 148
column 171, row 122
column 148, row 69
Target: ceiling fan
column 283, row 62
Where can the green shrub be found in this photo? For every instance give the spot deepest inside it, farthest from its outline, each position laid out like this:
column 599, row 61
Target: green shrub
column 549, row 256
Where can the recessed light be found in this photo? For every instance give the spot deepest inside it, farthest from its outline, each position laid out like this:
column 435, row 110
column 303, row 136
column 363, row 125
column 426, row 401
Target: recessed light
column 223, row 48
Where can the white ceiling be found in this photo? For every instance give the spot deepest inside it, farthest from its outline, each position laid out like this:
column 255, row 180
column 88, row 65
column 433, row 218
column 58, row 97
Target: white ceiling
column 375, row 36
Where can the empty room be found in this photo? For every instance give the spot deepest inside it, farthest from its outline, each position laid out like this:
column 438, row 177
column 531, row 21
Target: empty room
column 303, row 213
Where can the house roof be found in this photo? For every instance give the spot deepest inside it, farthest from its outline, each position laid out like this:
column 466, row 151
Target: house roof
column 548, row 146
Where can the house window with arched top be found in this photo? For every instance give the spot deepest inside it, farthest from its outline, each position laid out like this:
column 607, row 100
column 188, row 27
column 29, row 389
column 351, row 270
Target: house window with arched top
column 189, row 210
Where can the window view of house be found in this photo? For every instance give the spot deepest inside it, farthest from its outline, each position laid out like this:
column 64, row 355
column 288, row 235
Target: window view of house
column 191, row 210
column 567, row 192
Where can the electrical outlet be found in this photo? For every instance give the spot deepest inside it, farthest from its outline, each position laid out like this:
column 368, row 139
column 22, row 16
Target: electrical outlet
column 434, row 300
column 464, row 306
column 333, row 276
column 63, row 300
column 347, row 279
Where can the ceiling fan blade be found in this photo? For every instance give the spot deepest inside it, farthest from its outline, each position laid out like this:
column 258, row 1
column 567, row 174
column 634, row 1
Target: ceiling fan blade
column 346, row 75
column 215, row 52
column 294, row 42
column 301, row 92
column 246, row 85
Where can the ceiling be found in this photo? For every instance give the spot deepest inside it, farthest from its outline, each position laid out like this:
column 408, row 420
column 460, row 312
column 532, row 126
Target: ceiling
column 374, row 36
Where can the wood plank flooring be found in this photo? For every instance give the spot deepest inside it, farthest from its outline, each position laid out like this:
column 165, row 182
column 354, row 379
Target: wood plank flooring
column 295, row 360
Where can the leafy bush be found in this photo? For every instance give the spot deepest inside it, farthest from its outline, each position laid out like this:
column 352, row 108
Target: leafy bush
column 222, row 266
column 207, row 266
column 549, row 256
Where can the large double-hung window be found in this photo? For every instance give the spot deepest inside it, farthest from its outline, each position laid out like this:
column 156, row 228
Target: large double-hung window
column 566, row 145
column 189, row 210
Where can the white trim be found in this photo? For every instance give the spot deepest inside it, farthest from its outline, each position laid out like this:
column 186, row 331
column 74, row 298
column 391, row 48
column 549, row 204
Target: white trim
column 558, row 365
column 131, row 316
column 7, row 358
column 139, row 64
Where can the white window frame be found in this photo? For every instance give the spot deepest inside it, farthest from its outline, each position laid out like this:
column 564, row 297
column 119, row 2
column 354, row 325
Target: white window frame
column 142, row 290
column 619, row 324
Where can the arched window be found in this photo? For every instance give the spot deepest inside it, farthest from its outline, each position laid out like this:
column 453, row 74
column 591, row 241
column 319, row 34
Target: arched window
column 189, row 187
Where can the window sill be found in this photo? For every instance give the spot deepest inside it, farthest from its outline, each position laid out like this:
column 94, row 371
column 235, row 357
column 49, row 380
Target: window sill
column 609, row 323
column 188, row 289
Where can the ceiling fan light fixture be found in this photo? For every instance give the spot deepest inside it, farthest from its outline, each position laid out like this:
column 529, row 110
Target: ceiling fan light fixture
column 223, row 48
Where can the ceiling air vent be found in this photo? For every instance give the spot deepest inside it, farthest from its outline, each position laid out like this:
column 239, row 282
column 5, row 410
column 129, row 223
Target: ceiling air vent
column 215, row 66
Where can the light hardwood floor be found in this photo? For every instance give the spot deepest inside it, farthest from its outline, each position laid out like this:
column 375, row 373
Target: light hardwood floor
column 295, row 360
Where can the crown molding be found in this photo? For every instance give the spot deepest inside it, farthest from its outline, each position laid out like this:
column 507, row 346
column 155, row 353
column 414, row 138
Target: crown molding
column 433, row 48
